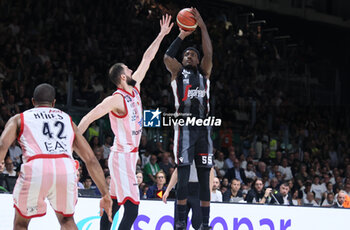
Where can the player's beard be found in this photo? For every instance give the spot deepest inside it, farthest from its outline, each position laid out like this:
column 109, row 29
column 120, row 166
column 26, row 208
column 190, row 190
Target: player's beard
column 131, row 81
column 191, row 67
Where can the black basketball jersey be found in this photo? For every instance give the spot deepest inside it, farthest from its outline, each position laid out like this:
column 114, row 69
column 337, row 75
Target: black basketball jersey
column 191, row 92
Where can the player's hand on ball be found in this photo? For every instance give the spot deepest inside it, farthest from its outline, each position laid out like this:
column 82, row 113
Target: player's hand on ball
column 165, row 25
column 184, row 33
column 198, row 17
column 106, row 205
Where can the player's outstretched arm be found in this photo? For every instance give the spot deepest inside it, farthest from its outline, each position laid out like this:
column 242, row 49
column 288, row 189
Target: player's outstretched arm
column 207, row 62
column 148, row 56
column 172, row 183
column 9, row 135
column 82, row 148
column 112, row 103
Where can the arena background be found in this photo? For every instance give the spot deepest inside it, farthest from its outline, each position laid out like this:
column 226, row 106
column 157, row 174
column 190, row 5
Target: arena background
column 280, row 79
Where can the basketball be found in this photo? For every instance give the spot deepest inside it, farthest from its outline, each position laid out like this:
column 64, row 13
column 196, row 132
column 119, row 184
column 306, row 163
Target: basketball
column 185, row 19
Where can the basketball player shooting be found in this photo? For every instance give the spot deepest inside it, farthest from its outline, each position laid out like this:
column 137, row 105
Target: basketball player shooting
column 47, row 137
column 125, row 114
column 191, row 77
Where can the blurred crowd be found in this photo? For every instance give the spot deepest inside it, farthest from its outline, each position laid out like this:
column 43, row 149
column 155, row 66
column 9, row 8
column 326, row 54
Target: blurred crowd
column 272, row 146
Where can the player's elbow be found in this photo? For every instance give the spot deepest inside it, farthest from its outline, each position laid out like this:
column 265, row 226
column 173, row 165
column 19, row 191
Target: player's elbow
column 91, row 161
column 148, row 57
column 166, row 58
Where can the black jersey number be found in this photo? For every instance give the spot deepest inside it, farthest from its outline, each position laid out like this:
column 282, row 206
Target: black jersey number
column 47, row 131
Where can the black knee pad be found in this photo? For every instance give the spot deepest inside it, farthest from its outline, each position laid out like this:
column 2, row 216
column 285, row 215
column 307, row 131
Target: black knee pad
column 203, row 177
column 183, row 174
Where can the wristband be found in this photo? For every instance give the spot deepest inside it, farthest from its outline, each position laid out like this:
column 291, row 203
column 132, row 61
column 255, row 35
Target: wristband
column 174, row 47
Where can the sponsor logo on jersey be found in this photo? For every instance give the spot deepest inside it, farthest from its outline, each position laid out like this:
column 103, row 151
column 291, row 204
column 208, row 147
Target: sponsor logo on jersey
column 191, row 93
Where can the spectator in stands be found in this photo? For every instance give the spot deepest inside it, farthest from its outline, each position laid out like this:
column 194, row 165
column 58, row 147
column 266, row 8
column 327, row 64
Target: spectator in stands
column 98, row 151
column 305, row 189
column 258, row 194
column 107, row 146
column 347, row 188
column 93, row 131
column 261, row 169
column 340, row 199
column 87, row 183
column 145, row 157
column 3, row 184
column 329, row 187
column 236, row 172
column 329, row 201
column 9, row 167
column 310, row 199
column 144, row 146
column 229, row 162
column 285, row 170
column 283, row 197
column 224, row 185
column 15, row 154
column 108, row 179
column 273, row 171
column 219, row 165
column 303, row 175
column 234, row 194
column 94, row 142
column 296, row 197
column 79, row 184
column 249, row 173
column 274, row 185
column 279, row 178
column 216, row 194
column 139, row 178
column 318, row 188
column 165, row 163
column 150, row 170
column 158, row 186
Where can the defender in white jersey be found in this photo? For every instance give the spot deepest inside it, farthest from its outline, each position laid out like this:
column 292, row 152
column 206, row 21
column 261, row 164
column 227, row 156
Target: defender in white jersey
column 47, row 137
column 125, row 113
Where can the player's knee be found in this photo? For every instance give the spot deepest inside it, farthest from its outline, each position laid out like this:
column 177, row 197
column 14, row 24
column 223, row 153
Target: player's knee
column 20, row 222
column 20, row 225
column 67, row 223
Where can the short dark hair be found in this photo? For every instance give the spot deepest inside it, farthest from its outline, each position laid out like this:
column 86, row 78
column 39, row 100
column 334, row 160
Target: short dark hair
column 115, row 72
column 44, row 93
column 235, row 179
column 193, row 49
column 285, row 184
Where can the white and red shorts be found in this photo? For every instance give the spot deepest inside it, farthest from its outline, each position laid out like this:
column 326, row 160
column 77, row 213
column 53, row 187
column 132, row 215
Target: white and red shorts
column 122, row 167
column 51, row 178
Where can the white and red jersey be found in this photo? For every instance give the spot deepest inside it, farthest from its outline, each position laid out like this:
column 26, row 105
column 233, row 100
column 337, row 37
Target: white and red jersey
column 45, row 132
column 127, row 128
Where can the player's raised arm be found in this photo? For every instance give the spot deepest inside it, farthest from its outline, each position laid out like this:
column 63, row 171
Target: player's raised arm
column 173, row 65
column 82, row 148
column 148, row 56
column 207, row 63
column 9, row 135
column 112, row 103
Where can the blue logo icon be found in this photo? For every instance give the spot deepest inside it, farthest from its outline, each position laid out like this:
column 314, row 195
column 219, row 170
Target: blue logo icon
column 151, row 118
